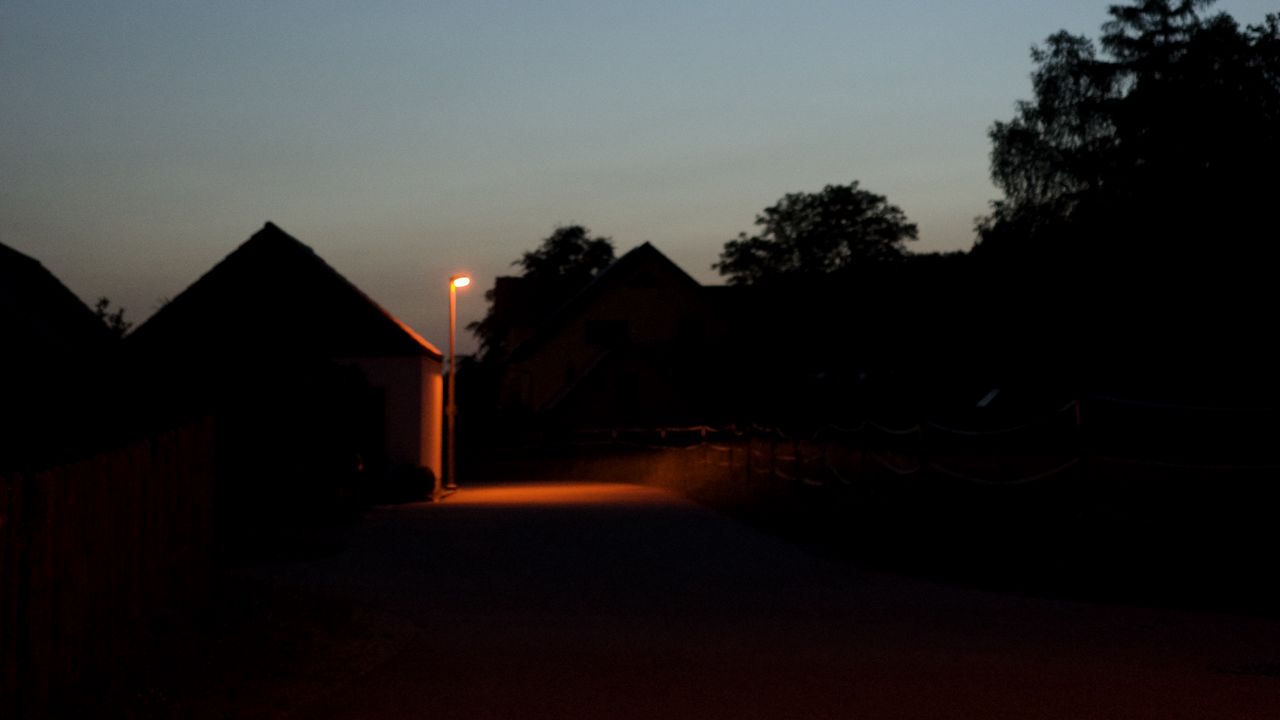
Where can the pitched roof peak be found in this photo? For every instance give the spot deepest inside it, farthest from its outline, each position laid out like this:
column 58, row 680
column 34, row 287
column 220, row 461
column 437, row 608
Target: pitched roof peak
column 275, row 291
column 272, row 233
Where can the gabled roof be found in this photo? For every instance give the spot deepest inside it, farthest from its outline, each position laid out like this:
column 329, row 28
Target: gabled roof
column 619, row 271
column 274, row 295
column 38, row 314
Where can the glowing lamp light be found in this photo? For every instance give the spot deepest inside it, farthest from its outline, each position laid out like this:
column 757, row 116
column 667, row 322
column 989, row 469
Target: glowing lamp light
column 460, row 281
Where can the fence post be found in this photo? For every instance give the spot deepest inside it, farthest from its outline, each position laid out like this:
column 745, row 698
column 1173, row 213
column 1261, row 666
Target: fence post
column 1082, row 445
column 862, row 455
column 798, row 466
column 824, row 459
column 773, row 461
column 10, row 582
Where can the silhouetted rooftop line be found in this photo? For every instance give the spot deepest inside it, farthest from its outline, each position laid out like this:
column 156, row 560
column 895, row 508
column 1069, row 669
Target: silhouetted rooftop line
column 38, row 313
column 274, row 293
column 615, row 272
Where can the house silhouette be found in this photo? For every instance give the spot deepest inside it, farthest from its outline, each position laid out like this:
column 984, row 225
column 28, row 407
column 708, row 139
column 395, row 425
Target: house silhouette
column 273, row 314
column 635, row 346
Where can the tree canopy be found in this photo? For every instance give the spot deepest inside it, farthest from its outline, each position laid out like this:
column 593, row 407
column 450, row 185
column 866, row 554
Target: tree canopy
column 1163, row 140
column 838, row 228
column 568, row 258
column 564, row 263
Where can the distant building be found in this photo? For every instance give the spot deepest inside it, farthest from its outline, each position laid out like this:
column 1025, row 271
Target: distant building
column 636, row 346
column 273, row 311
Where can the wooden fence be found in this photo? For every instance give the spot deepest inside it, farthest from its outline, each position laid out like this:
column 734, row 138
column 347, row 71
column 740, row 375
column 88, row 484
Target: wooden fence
column 91, row 555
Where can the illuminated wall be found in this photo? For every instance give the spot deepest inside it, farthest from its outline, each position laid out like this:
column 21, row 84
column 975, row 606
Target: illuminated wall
column 413, row 396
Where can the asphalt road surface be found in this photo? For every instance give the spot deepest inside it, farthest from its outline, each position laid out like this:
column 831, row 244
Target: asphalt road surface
column 622, row 601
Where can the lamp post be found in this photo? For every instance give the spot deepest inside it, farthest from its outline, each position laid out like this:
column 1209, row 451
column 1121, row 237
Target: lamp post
column 451, row 408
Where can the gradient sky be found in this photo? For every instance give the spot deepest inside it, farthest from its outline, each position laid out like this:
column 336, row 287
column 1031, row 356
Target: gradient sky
column 141, row 141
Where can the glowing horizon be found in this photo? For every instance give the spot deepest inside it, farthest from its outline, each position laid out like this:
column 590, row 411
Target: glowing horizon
column 146, row 141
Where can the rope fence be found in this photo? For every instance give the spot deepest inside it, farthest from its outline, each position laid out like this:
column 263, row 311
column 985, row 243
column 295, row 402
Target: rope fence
column 1099, row 492
column 1071, row 442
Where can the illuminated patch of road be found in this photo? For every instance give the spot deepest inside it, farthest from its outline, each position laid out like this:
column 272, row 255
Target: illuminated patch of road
column 555, row 494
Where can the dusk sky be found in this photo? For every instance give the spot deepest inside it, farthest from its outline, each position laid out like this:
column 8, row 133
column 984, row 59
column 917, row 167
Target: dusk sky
column 143, row 140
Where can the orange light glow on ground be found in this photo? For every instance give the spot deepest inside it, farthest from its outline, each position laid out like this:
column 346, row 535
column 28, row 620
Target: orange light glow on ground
column 560, row 494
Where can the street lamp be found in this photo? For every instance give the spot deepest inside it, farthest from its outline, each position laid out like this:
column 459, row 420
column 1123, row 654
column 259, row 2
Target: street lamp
column 451, row 408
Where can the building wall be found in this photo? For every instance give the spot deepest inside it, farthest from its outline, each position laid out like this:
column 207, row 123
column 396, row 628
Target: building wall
column 413, row 414
column 432, row 399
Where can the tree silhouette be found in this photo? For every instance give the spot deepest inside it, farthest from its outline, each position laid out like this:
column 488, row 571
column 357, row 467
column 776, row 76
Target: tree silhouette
column 1164, row 144
column 568, row 258
column 563, row 264
column 114, row 321
column 820, row 233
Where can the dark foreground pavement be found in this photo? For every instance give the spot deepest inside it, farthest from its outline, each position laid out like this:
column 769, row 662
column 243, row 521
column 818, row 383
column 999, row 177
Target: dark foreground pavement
column 619, row 601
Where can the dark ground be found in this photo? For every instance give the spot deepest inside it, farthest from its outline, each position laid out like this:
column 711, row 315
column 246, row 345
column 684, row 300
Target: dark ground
column 616, row 600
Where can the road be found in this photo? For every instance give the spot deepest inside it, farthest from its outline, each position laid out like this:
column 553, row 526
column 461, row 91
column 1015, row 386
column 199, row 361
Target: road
column 622, row 601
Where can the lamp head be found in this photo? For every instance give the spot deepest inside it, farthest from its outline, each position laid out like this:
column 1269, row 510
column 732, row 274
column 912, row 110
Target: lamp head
column 460, row 281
